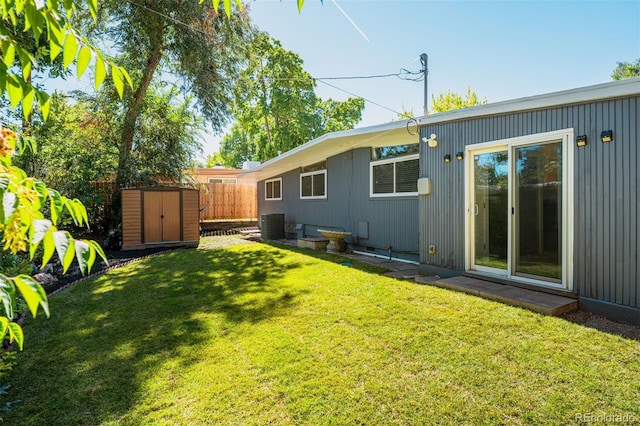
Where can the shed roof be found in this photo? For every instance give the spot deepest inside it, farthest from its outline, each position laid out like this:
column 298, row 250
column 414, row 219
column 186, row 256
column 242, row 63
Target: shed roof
column 404, row 131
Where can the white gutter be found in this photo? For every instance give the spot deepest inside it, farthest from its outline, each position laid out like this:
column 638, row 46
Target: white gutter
column 610, row 90
column 396, row 133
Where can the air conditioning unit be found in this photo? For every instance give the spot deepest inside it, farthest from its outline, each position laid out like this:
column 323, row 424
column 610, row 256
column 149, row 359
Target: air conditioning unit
column 272, row 226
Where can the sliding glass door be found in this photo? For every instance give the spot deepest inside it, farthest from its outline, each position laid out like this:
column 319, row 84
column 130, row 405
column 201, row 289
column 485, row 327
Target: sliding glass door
column 516, row 209
column 538, row 211
column 490, row 206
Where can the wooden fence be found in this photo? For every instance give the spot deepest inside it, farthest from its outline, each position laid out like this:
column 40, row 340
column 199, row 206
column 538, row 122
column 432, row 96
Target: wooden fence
column 228, row 201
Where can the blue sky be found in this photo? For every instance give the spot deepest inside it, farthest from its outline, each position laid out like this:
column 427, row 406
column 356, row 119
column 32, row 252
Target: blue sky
column 501, row 49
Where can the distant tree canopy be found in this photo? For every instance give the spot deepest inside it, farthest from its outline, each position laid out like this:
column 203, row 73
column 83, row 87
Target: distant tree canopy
column 276, row 108
column 214, row 160
column 626, row 70
column 452, row 100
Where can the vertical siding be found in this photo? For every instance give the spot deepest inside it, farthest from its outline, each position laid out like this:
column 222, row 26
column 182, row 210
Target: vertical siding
column 392, row 221
column 606, row 186
column 131, row 217
column 190, row 215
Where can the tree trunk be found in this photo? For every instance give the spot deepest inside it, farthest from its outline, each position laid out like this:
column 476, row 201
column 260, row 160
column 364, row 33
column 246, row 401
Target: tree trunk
column 123, row 176
column 128, row 127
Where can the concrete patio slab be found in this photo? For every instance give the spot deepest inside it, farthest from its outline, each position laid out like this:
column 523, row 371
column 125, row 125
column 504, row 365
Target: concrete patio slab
column 544, row 303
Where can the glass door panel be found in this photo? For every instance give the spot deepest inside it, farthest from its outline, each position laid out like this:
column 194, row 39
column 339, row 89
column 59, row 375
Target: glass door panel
column 538, row 211
column 490, row 209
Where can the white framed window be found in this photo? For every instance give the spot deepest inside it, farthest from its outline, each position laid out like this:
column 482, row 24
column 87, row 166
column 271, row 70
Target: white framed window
column 313, row 185
column 273, row 189
column 395, row 176
column 223, row 180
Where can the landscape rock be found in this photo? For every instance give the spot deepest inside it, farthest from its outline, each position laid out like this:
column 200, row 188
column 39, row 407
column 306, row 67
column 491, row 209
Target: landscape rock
column 45, row 278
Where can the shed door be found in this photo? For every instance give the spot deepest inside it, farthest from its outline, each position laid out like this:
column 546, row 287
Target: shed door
column 161, row 216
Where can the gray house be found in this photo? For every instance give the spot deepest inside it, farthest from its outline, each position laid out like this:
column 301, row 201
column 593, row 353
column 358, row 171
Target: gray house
column 539, row 192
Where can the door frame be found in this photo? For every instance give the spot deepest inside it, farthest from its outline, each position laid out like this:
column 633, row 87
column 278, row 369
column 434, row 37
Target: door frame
column 567, row 137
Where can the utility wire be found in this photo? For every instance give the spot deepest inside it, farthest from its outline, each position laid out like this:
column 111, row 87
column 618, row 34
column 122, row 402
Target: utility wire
column 177, row 21
column 365, row 99
column 403, row 74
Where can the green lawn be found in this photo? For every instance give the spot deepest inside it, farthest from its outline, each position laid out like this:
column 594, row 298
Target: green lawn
column 258, row 334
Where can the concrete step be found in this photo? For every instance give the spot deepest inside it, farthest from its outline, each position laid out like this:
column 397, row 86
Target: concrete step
column 544, row 303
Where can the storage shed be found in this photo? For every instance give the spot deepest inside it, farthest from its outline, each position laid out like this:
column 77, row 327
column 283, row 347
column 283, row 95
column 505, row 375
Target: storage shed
column 160, row 216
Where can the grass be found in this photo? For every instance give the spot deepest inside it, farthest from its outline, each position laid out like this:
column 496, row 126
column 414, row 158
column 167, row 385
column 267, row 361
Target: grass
column 261, row 334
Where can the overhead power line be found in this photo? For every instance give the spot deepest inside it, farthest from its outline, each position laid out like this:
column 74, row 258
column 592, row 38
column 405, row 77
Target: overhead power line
column 362, row 97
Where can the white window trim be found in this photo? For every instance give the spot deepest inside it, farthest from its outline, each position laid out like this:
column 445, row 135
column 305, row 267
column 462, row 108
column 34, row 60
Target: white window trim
column 228, row 180
column 265, row 189
column 394, row 160
column 314, row 197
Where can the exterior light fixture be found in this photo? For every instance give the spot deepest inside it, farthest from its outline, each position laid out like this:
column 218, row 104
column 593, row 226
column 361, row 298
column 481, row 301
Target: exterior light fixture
column 581, row 141
column 460, row 156
column 606, row 136
column 431, row 141
column 447, row 158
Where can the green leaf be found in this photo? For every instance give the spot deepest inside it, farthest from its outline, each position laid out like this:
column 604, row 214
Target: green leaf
column 70, row 49
column 227, row 8
column 26, row 61
column 85, row 255
column 126, row 76
column 77, row 211
column 27, row 102
column 9, row 55
column 116, row 76
column 65, row 248
column 9, row 204
column 68, row 7
column 30, row 20
column 38, row 230
column 98, row 248
column 48, row 246
column 8, row 296
column 216, row 5
column 84, row 57
column 57, row 204
column 14, row 90
column 4, row 326
column 101, row 72
column 93, row 8
column 33, row 294
column 300, row 3
column 82, row 210
column 39, row 186
column 45, row 104
column 55, row 47
column 15, row 334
